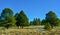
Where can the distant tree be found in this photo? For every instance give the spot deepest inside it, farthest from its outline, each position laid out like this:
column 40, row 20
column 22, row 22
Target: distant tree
column 8, row 18
column 22, row 19
column 52, row 19
column 31, row 23
column 43, row 22
column 36, row 21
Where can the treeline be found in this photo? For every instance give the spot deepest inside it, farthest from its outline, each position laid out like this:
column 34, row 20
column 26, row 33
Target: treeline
column 8, row 19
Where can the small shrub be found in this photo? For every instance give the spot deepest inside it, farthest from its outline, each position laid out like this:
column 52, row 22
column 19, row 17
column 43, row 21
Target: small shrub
column 47, row 26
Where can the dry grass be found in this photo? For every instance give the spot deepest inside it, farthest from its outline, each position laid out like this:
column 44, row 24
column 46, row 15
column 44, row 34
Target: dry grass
column 26, row 31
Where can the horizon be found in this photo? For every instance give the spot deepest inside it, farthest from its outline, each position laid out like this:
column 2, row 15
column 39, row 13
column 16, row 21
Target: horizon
column 32, row 8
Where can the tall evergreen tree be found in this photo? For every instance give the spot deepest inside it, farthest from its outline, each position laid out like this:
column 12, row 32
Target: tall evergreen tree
column 22, row 19
column 7, row 16
column 52, row 18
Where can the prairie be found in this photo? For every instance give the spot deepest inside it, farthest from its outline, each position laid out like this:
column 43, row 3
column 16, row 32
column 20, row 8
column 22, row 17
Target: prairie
column 31, row 30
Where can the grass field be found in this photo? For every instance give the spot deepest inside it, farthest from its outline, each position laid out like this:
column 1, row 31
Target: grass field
column 29, row 31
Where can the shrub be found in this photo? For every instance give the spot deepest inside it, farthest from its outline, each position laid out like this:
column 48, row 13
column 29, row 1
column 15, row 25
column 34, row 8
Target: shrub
column 47, row 26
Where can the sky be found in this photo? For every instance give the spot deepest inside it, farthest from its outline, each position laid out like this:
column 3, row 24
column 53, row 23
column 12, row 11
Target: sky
column 32, row 8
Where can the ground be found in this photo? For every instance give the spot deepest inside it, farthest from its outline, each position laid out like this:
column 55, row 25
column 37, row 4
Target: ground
column 28, row 31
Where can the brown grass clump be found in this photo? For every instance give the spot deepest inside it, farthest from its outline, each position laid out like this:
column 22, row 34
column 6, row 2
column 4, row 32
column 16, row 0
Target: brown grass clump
column 28, row 32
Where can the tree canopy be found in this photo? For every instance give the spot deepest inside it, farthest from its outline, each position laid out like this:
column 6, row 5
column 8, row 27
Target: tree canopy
column 36, row 21
column 22, row 19
column 8, row 19
column 52, row 18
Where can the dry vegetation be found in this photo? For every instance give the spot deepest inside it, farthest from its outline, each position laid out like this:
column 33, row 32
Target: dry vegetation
column 26, row 31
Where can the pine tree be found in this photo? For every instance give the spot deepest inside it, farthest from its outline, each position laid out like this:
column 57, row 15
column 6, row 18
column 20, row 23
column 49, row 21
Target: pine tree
column 22, row 19
column 52, row 18
column 7, row 18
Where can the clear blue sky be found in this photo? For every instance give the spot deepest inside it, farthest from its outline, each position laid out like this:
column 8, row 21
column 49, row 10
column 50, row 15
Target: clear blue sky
column 32, row 8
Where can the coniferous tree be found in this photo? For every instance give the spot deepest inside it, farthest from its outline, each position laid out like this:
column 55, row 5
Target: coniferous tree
column 22, row 19
column 36, row 21
column 52, row 18
column 7, row 17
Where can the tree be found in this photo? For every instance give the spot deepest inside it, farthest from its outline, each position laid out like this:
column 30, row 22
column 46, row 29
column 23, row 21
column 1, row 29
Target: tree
column 52, row 19
column 36, row 21
column 7, row 17
column 22, row 19
column 31, row 23
column 43, row 22
column 17, row 19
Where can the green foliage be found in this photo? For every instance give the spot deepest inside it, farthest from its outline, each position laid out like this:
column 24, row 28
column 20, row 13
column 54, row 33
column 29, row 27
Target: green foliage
column 22, row 19
column 47, row 26
column 11, row 20
column 31, row 23
column 7, row 12
column 0, row 17
column 2, row 23
column 35, row 22
column 7, row 17
column 52, row 18
column 17, row 19
column 43, row 22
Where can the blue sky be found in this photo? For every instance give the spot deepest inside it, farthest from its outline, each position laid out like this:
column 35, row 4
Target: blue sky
column 32, row 8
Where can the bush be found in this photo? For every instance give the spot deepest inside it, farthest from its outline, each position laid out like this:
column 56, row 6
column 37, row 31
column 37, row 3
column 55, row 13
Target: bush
column 47, row 26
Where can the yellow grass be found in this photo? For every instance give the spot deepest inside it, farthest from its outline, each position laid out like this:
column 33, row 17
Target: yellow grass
column 29, row 31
